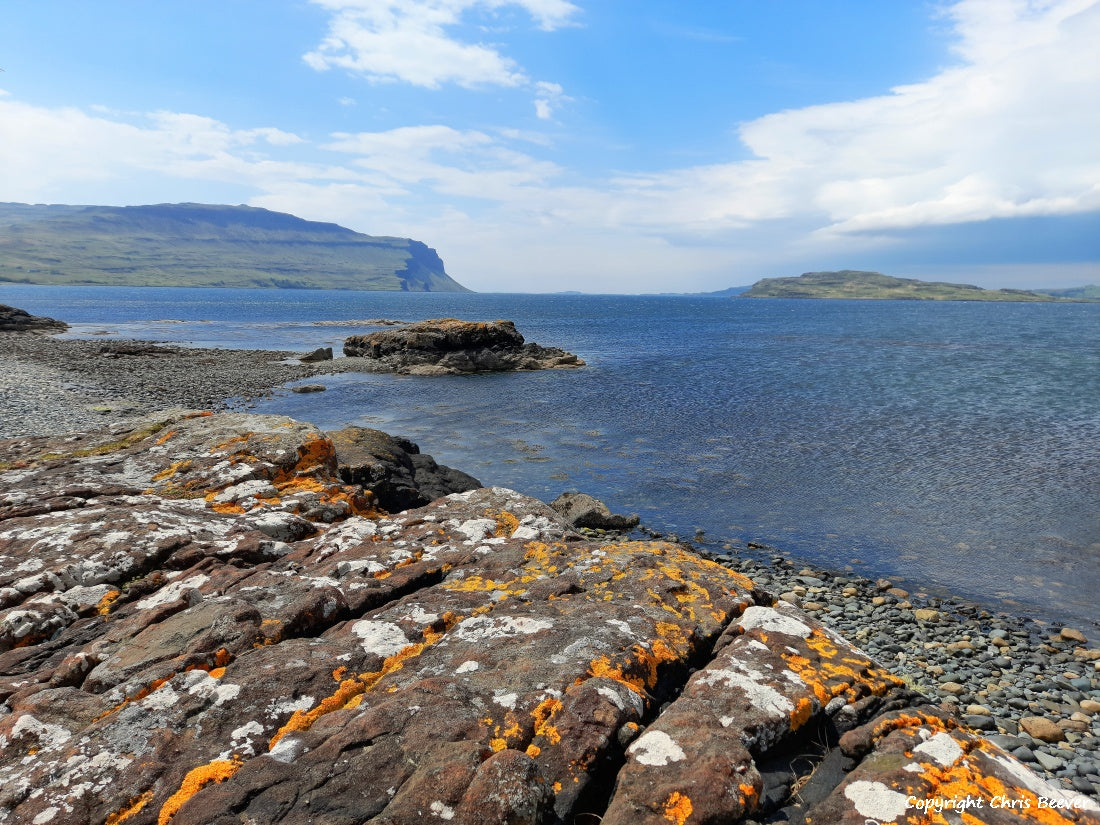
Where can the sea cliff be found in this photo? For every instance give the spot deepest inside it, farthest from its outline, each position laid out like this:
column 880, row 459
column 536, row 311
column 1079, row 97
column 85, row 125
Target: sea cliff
column 204, row 621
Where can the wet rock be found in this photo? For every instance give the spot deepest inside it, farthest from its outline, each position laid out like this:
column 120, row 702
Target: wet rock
column 319, row 354
column 582, row 510
column 394, row 469
column 1069, row 634
column 308, row 388
column 448, row 346
column 13, row 319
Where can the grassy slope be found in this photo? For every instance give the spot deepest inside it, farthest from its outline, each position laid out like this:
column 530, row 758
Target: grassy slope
column 1091, row 292
column 874, row 285
column 199, row 245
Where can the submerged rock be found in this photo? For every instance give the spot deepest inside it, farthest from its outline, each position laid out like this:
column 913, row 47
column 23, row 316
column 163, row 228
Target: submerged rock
column 203, row 621
column 448, row 346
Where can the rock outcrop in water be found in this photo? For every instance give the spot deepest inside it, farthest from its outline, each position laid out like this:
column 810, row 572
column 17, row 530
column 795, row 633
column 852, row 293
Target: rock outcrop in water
column 203, row 622
column 13, row 319
column 448, row 346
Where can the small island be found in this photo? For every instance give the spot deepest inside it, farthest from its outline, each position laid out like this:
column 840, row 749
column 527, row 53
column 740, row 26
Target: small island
column 449, row 346
column 850, row 283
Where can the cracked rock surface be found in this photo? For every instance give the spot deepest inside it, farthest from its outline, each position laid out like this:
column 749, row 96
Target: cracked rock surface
column 202, row 620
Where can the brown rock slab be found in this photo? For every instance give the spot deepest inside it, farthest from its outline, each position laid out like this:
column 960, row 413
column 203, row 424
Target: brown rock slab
column 204, row 620
column 777, row 670
column 1043, row 729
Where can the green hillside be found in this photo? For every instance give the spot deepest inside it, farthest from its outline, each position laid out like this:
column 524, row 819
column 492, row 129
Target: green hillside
column 1091, row 292
column 203, row 245
column 848, row 283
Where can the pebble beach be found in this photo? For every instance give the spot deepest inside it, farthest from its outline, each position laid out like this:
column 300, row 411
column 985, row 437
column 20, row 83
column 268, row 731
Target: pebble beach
column 1032, row 688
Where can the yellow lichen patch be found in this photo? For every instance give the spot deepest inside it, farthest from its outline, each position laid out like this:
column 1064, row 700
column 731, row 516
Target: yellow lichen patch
column 349, row 694
column 831, row 675
column 604, row 669
column 677, row 808
column 544, row 712
column 103, row 607
column 223, row 507
column 173, row 469
column 963, row 780
column 505, row 735
column 225, row 445
column 507, row 524
column 197, row 779
column 803, row 710
column 911, row 719
column 130, row 809
column 315, row 453
column 271, row 632
column 538, row 552
column 533, row 751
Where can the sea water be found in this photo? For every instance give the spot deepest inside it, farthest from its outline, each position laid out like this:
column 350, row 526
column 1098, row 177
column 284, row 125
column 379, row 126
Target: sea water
column 953, row 445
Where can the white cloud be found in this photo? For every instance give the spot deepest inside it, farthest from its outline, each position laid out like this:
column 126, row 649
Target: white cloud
column 548, row 97
column 1008, row 133
column 412, row 41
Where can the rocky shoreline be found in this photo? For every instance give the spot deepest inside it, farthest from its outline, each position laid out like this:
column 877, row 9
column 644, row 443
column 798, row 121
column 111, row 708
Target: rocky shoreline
column 1032, row 688
column 996, row 672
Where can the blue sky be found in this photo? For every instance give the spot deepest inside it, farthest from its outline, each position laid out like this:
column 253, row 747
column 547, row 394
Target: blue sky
column 546, row 145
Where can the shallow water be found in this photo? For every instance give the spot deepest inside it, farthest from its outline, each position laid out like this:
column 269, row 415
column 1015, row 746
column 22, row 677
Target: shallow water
column 954, row 444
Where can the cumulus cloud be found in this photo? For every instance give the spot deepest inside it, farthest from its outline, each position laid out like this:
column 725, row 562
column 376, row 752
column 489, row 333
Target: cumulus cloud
column 1008, row 132
column 413, row 41
column 548, row 97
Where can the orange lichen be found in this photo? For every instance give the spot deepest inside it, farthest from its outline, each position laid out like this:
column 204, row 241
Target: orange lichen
column 222, row 506
column 677, row 808
column 103, row 607
column 166, row 436
column 507, row 524
column 545, row 711
column 350, row 692
column 224, row 445
column 831, row 675
column 172, row 469
column 533, row 751
column 964, row 780
column 910, row 719
column 197, row 779
column 803, row 710
column 132, row 807
column 340, row 673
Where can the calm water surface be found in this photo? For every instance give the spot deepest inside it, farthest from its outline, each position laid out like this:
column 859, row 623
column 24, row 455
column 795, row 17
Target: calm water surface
column 956, row 445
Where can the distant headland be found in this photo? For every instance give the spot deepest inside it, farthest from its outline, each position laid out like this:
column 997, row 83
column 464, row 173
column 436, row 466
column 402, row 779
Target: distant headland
column 201, row 245
column 849, row 283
